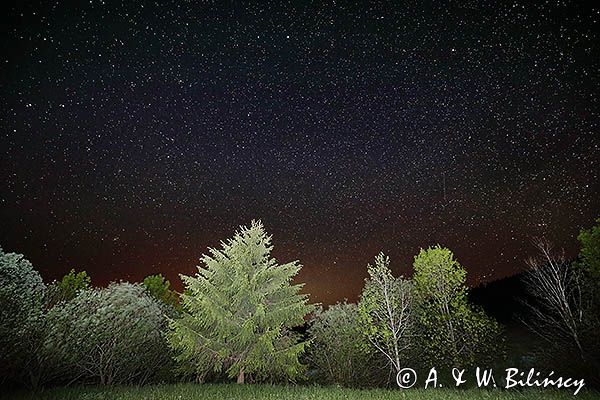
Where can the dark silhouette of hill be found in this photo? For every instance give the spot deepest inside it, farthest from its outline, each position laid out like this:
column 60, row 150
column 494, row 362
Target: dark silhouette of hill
column 502, row 298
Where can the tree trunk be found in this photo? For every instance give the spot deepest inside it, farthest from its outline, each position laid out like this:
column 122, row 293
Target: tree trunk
column 240, row 378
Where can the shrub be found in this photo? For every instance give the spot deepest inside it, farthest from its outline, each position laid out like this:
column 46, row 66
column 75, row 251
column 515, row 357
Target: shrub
column 337, row 350
column 112, row 335
column 21, row 317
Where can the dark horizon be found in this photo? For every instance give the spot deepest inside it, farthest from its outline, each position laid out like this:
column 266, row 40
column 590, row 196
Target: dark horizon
column 342, row 286
column 136, row 137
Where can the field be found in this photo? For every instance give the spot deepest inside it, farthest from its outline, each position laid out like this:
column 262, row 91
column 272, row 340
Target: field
column 260, row 392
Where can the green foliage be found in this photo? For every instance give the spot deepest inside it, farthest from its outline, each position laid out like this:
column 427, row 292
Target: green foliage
column 336, row 350
column 587, row 269
column 452, row 331
column 385, row 310
column 238, row 311
column 111, row 335
column 21, row 315
column 158, row 287
column 589, row 255
column 67, row 288
column 439, row 277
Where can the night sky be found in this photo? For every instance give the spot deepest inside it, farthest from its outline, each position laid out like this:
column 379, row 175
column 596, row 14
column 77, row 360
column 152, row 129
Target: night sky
column 135, row 136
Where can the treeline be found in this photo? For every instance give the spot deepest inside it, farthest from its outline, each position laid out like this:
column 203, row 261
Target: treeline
column 242, row 317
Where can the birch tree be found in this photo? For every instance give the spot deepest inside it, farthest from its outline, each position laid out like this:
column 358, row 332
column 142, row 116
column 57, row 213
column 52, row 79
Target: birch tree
column 557, row 308
column 563, row 305
column 385, row 312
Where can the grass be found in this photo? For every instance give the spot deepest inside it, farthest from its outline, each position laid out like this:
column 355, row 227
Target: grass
column 184, row 391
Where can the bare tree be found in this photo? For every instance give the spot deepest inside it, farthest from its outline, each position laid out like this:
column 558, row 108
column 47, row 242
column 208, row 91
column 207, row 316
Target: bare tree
column 557, row 307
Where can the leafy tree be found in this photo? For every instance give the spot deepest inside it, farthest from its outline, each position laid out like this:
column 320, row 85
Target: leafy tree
column 453, row 332
column 158, row 287
column 21, row 316
column 335, row 350
column 111, row 335
column 589, row 254
column 238, row 312
column 67, row 288
column 385, row 309
column 588, row 266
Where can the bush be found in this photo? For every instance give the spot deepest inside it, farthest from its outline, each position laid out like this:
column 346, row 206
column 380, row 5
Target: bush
column 337, row 350
column 112, row 335
column 21, row 317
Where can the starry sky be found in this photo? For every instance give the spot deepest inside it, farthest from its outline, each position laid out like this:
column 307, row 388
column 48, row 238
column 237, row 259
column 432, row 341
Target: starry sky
column 135, row 135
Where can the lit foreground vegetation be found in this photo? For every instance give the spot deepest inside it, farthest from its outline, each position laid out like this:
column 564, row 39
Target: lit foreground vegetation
column 192, row 391
column 243, row 317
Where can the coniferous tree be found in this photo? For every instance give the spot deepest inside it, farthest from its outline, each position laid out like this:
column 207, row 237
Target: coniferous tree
column 238, row 311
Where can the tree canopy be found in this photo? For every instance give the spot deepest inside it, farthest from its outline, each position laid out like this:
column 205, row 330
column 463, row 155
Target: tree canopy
column 159, row 288
column 385, row 309
column 589, row 254
column 67, row 288
column 110, row 335
column 21, row 312
column 238, row 310
column 453, row 331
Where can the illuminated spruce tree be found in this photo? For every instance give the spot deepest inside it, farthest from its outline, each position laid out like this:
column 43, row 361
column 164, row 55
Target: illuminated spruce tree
column 238, row 311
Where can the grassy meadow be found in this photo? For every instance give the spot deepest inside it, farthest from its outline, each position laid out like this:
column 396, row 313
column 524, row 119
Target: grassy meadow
column 192, row 391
